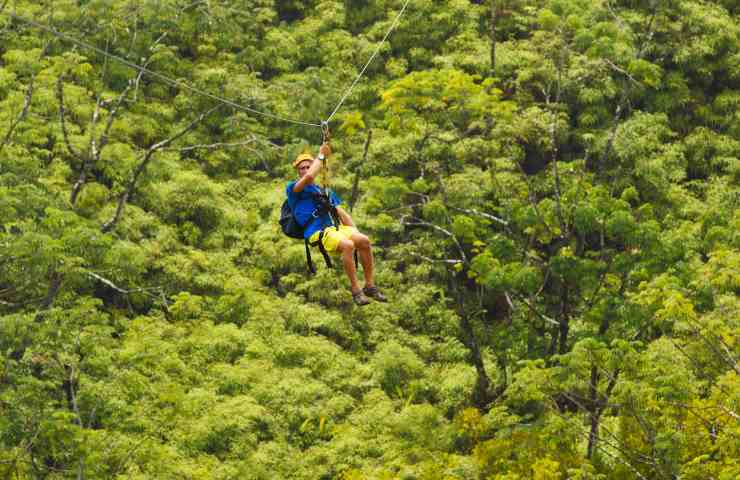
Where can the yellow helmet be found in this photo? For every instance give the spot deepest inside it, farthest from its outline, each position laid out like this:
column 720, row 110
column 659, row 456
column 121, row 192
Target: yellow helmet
column 302, row 158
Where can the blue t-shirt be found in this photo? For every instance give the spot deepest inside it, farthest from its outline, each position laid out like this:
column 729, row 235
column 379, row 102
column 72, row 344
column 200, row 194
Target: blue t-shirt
column 303, row 206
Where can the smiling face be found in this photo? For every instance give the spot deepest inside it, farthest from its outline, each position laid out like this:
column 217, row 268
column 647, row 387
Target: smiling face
column 303, row 167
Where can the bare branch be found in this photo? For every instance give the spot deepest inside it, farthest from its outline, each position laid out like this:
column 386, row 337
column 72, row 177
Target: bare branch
column 622, row 71
column 554, row 140
column 481, row 214
column 96, row 147
column 509, row 302
column 421, row 223
column 243, row 145
column 118, row 289
column 92, row 153
column 192, row 125
column 536, row 312
column 93, row 148
column 449, row 261
column 146, row 65
column 270, row 144
column 133, row 179
column 730, row 357
column 602, row 278
column 103, row 140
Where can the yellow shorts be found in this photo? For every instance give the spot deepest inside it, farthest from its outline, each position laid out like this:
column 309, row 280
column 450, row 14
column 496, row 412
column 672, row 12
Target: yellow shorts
column 332, row 237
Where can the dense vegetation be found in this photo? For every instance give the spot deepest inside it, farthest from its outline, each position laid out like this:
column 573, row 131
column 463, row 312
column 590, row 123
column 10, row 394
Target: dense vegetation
column 552, row 191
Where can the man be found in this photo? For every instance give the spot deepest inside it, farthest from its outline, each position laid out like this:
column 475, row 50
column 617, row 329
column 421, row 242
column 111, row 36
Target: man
column 342, row 239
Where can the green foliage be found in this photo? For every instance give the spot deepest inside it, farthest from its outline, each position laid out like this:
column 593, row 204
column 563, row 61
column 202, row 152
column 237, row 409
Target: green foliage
column 396, row 367
column 551, row 189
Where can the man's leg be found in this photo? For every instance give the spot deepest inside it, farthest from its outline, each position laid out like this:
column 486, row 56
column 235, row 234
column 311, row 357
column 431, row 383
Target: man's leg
column 347, row 249
column 365, row 252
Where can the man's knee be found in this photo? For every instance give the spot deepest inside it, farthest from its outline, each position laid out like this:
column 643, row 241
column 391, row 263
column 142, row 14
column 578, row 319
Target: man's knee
column 346, row 245
column 361, row 241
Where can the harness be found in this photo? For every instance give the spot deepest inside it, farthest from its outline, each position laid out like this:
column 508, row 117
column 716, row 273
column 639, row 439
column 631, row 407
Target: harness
column 324, row 206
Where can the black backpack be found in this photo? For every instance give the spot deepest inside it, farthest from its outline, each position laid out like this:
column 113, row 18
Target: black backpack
column 288, row 222
column 292, row 228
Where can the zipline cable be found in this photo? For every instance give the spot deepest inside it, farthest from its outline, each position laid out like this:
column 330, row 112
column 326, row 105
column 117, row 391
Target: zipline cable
column 362, row 72
column 212, row 96
column 159, row 76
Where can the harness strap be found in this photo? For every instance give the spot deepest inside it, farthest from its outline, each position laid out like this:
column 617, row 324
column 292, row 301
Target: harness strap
column 322, row 249
column 324, row 253
column 311, row 266
column 325, row 206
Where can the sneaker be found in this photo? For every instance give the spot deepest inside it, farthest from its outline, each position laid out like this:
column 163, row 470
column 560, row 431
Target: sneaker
column 360, row 299
column 373, row 292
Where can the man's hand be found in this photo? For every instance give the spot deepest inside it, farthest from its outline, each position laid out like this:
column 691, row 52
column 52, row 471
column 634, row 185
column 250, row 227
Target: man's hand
column 325, row 150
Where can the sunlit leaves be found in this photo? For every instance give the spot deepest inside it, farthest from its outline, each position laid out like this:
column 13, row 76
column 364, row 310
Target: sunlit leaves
column 442, row 97
column 574, row 242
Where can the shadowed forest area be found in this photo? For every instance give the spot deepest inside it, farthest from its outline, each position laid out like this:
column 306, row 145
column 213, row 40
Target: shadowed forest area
column 551, row 188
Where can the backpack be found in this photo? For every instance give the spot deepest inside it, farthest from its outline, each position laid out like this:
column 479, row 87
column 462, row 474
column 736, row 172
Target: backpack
column 288, row 222
column 292, row 228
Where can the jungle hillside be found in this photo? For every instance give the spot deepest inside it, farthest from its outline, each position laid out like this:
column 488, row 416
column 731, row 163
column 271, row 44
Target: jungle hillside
column 551, row 192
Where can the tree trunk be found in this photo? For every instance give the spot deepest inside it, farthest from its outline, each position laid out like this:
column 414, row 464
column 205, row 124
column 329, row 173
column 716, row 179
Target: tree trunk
column 481, row 395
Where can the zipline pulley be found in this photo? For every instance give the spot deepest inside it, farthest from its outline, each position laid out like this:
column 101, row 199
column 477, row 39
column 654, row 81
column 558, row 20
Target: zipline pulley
column 325, row 133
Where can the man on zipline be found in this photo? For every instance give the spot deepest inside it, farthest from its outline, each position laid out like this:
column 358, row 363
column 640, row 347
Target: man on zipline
column 344, row 238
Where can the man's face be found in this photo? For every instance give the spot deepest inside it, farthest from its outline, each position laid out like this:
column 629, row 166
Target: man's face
column 303, row 167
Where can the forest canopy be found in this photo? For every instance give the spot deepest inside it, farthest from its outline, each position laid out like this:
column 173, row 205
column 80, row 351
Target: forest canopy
column 550, row 186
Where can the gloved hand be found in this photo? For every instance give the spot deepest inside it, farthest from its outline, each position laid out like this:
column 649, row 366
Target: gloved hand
column 325, row 149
